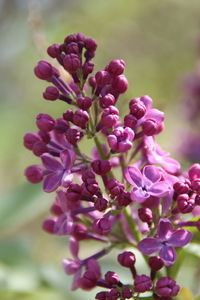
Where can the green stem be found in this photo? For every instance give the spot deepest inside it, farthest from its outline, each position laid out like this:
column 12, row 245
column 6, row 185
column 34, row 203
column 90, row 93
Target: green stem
column 131, row 224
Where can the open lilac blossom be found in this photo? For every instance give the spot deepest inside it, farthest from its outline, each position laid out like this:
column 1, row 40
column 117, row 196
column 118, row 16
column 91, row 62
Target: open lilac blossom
column 57, row 172
column 166, row 240
column 146, row 184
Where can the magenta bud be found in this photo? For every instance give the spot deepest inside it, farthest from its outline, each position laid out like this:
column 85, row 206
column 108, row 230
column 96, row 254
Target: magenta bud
column 126, row 259
column 107, row 101
column 101, row 167
column 51, row 93
column 54, row 50
column 112, row 278
column 194, row 171
column 43, row 70
column 149, row 127
column 84, row 103
column 48, row 225
column 116, row 67
column 80, row 118
column 110, row 116
column 90, row 44
column 127, row 293
column 61, row 125
column 56, row 209
column 39, row 148
column 196, row 185
column 45, row 122
column 34, row 173
column 44, row 136
column 130, row 121
column 124, row 199
column 92, row 82
column 74, row 192
column 113, row 294
column 88, row 280
column 185, row 204
column 88, row 68
column 68, row 115
column 181, row 187
column 101, row 204
column 115, row 187
column 120, row 84
column 71, row 63
column 30, row 139
column 137, row 108
column 80, row 232
column 102, row 226
column 72, row 48
column 102, row 78
column 73, row 136
column 101, row 296
column 145, row 214
column 166, row 286
column 142, row 283
column 155, row 263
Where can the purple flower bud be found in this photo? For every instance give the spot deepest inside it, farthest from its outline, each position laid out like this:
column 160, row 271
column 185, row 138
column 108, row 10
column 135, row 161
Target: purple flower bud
column 101, row 204
column 116, row 67
column 56, row 209
column 54, row 50
column 142, row 283
column 39, row 148
column 84, row 103
column 145, row 214
column 124, row 199
column 48, row 225
column 34, row 173
column 71, row 63
column 101, row 167
column 44, row 70
column 102, row 78
column 113, row 294
column 80, row 118
column 110, row 116
column 137, row 108
column 76, row 37
column 68, row 115
column 51, row 93
column 130, row 121
column 90, row 44
column 74, row 192
column 126, row 259
column 127, row 293
column 44, row 136
column 101, row 295
column 88, row 174
column 181, row 187
column 115, row 187
column 120, row 84
column 72, row 48
column 88, row 68
column 89, row 55
column 92, row 82
column 149, row 127
column 80, row 232
column 185, row 203
column 88, row 280
column 112, row 278
column 196, row 185
column 107, row 101
column 73, row 136
column 102, row 226
column 30, row 139
column 166, row 286
column 121, row 139
column 194, row 171
column 155, row 263
column 61, row 125
column 45, row 122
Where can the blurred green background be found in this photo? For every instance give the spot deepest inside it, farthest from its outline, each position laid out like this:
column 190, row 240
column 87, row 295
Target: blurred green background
column 157, row 39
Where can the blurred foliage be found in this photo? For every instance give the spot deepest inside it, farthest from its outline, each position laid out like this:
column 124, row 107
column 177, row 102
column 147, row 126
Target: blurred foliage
column 157, row 39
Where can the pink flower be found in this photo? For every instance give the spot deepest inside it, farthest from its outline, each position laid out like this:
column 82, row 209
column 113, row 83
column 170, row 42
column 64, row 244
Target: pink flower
column 121, row 139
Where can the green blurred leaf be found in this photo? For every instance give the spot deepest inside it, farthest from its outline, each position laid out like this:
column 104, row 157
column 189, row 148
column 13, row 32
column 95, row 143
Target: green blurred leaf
column 185, row 294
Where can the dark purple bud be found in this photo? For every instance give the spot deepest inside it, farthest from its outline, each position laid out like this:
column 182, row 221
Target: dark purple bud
column 101, row 204
column 90, row 44
column 88, row 174
column 92, row 82
column 80, row 118
column 124, row 199
column 142, row 283
column 137, row 108
column 113, row 294
column 101, row 295
column 73, row 136
column 102, row 226
column 76, row 37
column 45, row 122
column 88, row 280
column 72, row 48
column 126, row 259
column 44, row 136
column 115, row 187
column 68, row 115
column 88, row 68
column 30, row 139
column 116, row 67
column 48, row 225
column 84, row 103
column 71, row 63
column 39, row 148
column 120, row 84
column 80, row 232
column 155, row 263
column 130, row 121
column 102, row 78
column 61, row 125
column 127, row 293
column 112, row 278
column 74, row 192
column 51, row 93
column 43, row 70
column 149, row 127
column 196, row 185
column 166, row 286
column 181, row 187
column 185, row 203
column 197, row 200
column 101, row 167
column 56, row 209
column 145, row 214
column 34, row 173
column 194, row 171
column 54, row 50
column 107, row 101
column 110, row 116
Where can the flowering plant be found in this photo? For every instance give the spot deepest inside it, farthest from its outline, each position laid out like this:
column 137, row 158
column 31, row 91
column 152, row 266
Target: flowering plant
column 127, row 193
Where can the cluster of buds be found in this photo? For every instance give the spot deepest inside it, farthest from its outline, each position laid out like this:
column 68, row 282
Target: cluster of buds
column 127, row 193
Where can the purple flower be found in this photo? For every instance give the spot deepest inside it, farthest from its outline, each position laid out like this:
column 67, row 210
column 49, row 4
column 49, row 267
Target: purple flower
column 166, row 240
column 58, row 173
column 146, row 183
column 121, row 139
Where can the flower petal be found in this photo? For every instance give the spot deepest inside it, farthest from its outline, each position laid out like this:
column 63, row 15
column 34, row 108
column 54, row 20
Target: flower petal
column 149, row 246
column 63, row 225
column 67, row 179
column 180, row 238
column 159, row 189
column 52, row 182
column 151, row 173
column 165, row 229
column 168, row 254
column 139, row 195
column 50, row 162
column 67, row 157
column 133, row 176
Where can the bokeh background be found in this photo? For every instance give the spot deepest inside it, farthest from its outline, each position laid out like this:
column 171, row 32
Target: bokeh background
column 159, row 42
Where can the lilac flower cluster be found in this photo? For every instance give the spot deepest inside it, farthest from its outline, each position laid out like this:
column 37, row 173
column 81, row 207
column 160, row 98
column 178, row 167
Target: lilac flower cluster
column 127, row 193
